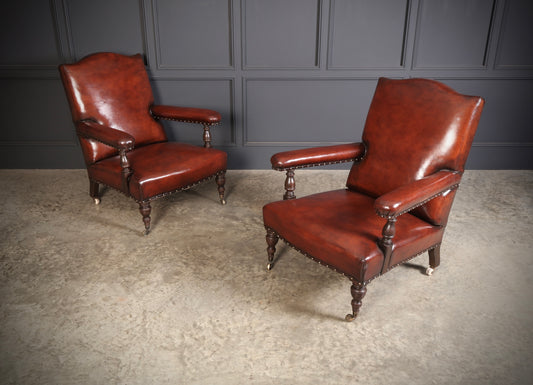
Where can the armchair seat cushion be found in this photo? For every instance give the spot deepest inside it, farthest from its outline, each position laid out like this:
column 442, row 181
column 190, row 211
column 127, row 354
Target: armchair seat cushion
column 161, row 168
column 341, row 229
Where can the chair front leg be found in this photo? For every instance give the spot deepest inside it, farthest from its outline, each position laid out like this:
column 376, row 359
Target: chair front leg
column 358, row 291
column 145, row 209
column 271, row 238
column 220, row 179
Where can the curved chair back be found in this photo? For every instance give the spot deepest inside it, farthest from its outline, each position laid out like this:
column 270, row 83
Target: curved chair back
column 414, row 128
column 113, row 90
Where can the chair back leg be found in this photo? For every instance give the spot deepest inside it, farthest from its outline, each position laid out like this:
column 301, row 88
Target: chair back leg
column 221, row 181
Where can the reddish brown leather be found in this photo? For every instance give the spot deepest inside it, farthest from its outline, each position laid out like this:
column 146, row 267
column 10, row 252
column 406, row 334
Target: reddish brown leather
column 414, row 128
column 113, row 90
column 89, row 129
column 341, row 229
column 316, row 156
column 414, row 194
column 161, row 168
column 417, row 137
column 186, row 114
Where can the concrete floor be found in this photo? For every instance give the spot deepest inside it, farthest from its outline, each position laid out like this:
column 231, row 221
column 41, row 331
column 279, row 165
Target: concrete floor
column 86, row 299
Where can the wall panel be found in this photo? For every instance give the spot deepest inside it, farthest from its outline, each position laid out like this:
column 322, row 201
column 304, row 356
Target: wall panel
column 367, row 34
column 104, row 25
column 32, row 102
column 516, row 41
column 193, row 34
column 306, row 111
column 281, row 33
column 453, row 33
column 27, row 34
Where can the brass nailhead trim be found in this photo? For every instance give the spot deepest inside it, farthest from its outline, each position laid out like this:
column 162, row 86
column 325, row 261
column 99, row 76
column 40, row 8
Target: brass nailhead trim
column 346, row 275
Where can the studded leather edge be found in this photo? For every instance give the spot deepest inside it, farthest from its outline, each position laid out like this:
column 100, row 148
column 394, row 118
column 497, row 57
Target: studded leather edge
column 316, row 164
column 351, row 278
column 451, row 188
column 162, row 194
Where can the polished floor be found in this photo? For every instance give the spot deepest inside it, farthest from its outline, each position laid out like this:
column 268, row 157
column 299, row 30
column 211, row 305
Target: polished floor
column 87, row 299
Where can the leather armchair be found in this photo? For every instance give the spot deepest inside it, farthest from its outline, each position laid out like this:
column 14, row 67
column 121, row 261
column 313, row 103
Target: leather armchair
column 124, row 144
column 399, row 191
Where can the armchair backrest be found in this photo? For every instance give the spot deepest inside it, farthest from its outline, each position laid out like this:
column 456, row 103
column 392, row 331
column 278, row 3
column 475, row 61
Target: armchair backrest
column 414, row 128
column 113, row 90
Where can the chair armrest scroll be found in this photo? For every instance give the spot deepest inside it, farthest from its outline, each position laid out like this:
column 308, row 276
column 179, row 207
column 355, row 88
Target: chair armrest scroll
column 414, row 194
column 115, row 138
column 317, row 156
column 186, row 114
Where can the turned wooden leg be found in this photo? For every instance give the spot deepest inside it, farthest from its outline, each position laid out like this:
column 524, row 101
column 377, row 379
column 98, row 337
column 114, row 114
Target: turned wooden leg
column 221, row 181
column 434, row 260
column 290, row 185
column 145, row 209
column 358, row 292
column 207, row 136
column 271, row 238
column 94, row 191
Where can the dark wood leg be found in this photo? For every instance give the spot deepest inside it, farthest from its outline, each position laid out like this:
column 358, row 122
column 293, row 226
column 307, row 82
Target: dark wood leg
column 145, row 209
column 207, row 136
column 94, row 191
column 358, row 292
column 221, row 181
column 290, row 185
column 271, row 238
column 386, row 244
column 434, row 260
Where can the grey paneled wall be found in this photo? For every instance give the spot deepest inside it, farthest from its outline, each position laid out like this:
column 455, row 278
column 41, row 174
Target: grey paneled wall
column 284, row 73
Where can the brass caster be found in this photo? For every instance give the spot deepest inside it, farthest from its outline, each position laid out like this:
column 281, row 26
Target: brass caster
column 223, row 201
column 96, row 201
column 349, row 317
column 270, row 266
column 146, row 232
column 429, row 271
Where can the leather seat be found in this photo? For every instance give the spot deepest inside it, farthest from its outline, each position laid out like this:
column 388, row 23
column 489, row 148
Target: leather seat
column 342, row 229
column 156, row 172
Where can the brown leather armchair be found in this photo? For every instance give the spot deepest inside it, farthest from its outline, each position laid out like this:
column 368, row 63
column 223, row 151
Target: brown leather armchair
column 399, row 191
column 123, row 143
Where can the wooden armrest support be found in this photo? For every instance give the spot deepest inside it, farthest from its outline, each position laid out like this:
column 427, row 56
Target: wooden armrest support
column 114, row 138
column 412, row 195
column 317, row 156
column 186, row 114
column 120, row 140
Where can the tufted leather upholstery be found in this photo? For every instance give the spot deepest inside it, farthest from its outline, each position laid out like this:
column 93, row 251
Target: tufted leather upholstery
column 123, row 143
column 399, row 191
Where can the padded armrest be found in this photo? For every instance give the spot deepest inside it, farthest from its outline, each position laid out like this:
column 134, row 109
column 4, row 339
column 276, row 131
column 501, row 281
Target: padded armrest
column 317, row 156
column 115, row 138
column 186, row 114
column 412, row 195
